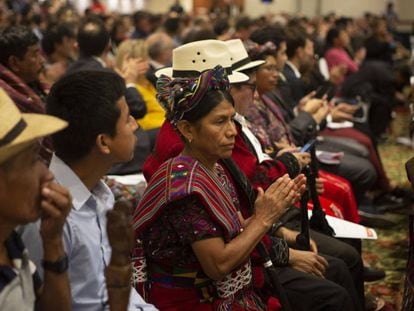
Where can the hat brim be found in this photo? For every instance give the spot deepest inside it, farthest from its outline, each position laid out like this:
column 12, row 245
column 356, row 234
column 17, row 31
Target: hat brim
column 38, row 126
column 235, row 77
column 251, row 65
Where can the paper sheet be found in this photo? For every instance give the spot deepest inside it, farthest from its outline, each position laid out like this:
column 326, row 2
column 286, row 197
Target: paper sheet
column 340, row 125
column 129, row 180
column 347, row 229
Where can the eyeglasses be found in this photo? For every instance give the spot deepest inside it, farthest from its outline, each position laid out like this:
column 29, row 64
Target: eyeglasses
column 251, row 86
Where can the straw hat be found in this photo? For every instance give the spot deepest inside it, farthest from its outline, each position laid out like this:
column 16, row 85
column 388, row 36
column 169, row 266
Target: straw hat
column 189, row 60
column 239, row 57
column 19, row 130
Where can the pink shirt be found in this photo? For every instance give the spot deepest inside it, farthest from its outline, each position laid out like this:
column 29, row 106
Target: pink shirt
column 337, row 56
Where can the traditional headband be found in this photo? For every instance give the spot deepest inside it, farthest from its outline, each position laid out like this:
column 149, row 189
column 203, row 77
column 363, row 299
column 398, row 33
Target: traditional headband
column 181, row 95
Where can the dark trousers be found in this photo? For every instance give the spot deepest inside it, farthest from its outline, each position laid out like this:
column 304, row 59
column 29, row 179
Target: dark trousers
column 357, row 170
column 310, row 293
column 350, row 255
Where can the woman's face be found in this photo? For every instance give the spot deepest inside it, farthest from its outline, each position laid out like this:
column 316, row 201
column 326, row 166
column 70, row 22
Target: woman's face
column 343, row 39
column 266, row 75
column 213, row 137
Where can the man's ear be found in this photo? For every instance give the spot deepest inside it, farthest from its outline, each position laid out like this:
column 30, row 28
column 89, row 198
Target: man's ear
column 186, row 129
column 102, row 143
column 14, row 63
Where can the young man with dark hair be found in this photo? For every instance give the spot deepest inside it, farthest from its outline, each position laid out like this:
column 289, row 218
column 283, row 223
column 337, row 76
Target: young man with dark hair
column 142, row 24
column 58, row 43
column 100, row 134
column 300, row 52
column 59, row 46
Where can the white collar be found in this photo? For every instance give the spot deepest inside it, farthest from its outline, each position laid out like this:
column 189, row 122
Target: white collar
column 156, row 64
column 65, row 176
column 294, row 68
column 100, row 60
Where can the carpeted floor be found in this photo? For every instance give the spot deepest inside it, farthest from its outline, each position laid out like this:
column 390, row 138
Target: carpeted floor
column 390, row 251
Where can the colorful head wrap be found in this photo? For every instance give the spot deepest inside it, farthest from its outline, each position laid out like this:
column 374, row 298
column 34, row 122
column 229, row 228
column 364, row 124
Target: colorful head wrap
column 182, row 95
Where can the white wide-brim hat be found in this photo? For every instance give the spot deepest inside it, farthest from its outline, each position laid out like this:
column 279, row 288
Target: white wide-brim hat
column 191, row 59
column 18, row 130
column 239, row 57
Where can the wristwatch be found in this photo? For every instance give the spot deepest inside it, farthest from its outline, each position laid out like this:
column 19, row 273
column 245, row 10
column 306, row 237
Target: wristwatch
column 59, row 266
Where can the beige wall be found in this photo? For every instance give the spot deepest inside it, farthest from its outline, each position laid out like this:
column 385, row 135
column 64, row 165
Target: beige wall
column 257, row 7
column 309, row 7
column 161, row 6
column 405, row 9
column 355, row 8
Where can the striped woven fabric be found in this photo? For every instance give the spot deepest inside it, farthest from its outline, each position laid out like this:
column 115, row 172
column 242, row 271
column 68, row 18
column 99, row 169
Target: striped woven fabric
column 181, row 177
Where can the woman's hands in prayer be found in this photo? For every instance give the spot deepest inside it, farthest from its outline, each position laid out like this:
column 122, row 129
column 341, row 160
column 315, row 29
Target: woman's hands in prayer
column 272, row 203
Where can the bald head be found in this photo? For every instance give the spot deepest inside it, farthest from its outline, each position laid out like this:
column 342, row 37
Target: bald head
column 160, row 46
column 93, row 38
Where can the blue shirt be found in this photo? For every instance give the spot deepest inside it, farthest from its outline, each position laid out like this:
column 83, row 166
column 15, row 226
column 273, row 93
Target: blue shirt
column 86, row 242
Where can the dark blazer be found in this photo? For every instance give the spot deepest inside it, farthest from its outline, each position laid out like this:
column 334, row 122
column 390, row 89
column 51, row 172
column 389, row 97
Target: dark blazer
column 135, row 102
column 296, row 84
column 150, row 75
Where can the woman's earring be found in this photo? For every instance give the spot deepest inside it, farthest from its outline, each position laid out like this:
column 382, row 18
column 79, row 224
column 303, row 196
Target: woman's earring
column 190, row 140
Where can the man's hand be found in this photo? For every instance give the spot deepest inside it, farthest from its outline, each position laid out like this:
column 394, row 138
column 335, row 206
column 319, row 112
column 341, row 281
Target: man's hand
column 290, row 237
column 308, row 262
column 55, row 204
column 321, row 114
column 343, row 112
column 305, row 99
column 303, row 158
column 283, row 148
column 313, row 105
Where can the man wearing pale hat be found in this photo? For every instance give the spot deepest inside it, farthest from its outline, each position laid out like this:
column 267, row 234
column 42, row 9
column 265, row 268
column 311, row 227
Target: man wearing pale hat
column 27, row 193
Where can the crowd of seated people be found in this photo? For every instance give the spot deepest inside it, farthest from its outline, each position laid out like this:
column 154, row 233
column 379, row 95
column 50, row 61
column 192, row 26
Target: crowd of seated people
column 213, row 110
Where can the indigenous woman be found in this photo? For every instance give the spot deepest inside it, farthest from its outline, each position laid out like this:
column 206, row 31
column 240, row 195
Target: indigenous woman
column 196, row 245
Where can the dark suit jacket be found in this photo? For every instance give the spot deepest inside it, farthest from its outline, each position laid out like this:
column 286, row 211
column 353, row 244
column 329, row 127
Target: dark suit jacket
column 296, row 85
column 136, row 103
column 150, row 75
